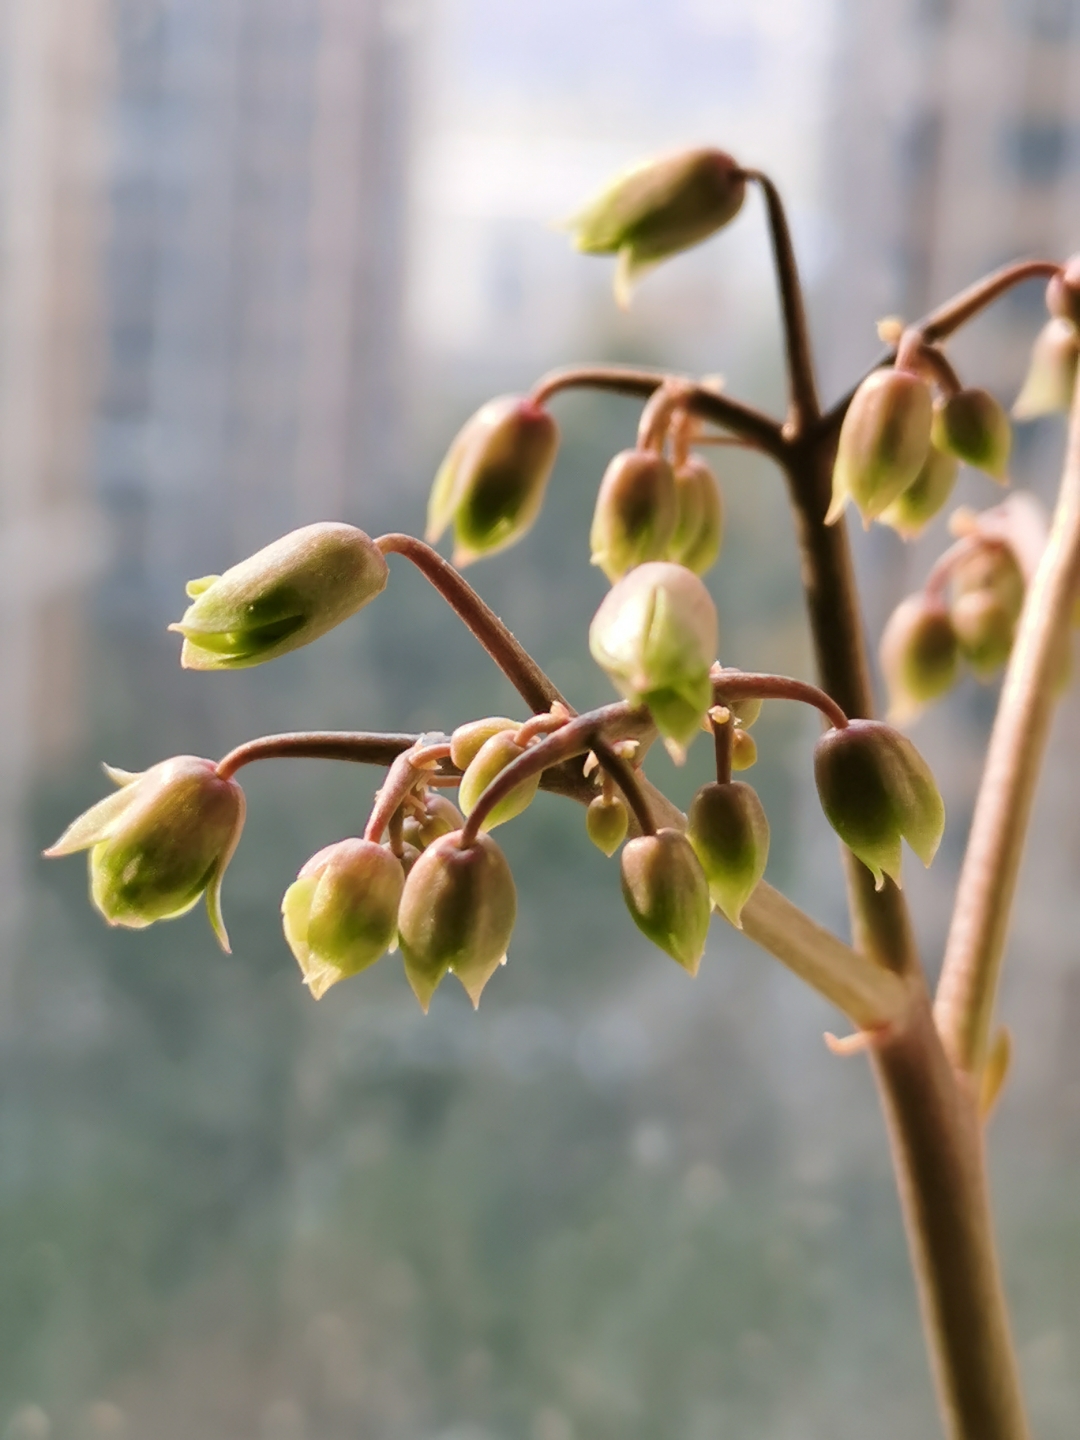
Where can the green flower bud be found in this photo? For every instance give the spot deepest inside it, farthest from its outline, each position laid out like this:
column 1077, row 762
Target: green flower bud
column 457, row 914
column 1051, row 376
column 656, row 635
column 973, row 426
column 160, row 842
column 490, row 760
column 667, row 894
column 657, row 209
column 730, row 835
column 439, row 818
column 636, row 511
column 883, row 443
column 746, row 712
column 491, row 483
column 993, row 569
column 985, row 630
column 743, row 749
column 699, row 524
column 920, row 655
column 606, row 822
column 467, row 739
column 876, row 789
column 285, row 596
column 340, row 913
column 915, row 507
column 1063, row 292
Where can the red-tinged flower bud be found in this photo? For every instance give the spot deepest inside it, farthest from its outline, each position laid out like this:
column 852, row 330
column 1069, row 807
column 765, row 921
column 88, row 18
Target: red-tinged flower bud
column 491, row 483
column 340, row 913
column 985, row 629
column 1063, row 293
column 490, row 760
column 457, row 914
column 657, row 209
column 699, row 524
column 636, row 511
column 1051, row 377
column 883, row 443
column 727, row 827
column 606, row 822
column 667, row 894
column 916, row 506
column 656, row 634
column 920, row 655
column 974, row 427
column 876, row 790
column 285, row 596
column 440, row 816
column 743, row 749
column 467, row 739
column 160, row 842
column 992, row 569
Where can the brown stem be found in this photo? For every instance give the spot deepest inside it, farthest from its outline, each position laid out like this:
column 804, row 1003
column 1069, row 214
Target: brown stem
column 404, row 773
column 626, row 777
column 358, row 746
column 534, row 687
column 800, row 361
column 723, row 746
column 731, row 686
column 980, row 924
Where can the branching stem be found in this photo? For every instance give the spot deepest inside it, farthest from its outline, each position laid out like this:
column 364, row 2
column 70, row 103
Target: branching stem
column 731, row 686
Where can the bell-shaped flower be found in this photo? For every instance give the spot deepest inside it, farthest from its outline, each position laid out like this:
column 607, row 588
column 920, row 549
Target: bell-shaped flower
column 974, row 427
column 659, row 208
column 667, row 894
column 915, row 507
column 876, row 790
column 280, row 598
column 1051, row 377
column 883, row 443
column 636, row 512
column 727, row 828
column 491, row 484
column 340, row 913
column 162, row 840
column 699, row 522
column 920, row 655
column 656, row 635
column 456, row 915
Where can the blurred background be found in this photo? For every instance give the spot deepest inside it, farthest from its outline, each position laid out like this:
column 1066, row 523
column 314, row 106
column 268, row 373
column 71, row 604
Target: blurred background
column 258, row 261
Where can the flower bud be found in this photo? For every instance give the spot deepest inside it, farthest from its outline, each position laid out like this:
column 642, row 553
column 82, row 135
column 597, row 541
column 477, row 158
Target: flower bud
column 491, row 483
column 160, row 842
column 636, row 511
column 973, row 426
column 876, row 789
column 745, row 712
column 1063, row 292
column 667, row 894
column 727, row 827
column 920, row 655
column 606, row 822
column 743, row 749
column 285, row 596
column 467, row 739
column 883, row 443
column 993, row 569
column 490, row 760
column 985, row 629
column 1051, row 376
column 916, row 506
column 656, row 634
column 340, row 913
column 657, row 209
column 439, row 817
column 457, row 914
column 699, row 523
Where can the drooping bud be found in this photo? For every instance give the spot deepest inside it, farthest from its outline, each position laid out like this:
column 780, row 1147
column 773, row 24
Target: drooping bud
column 280, row 598
column 491, row 483
column 160, row 842
column 992, row 568
column 340, row 913
column 876, row 790
column 636, row 511
column 467, row 739
column 743, row 749
column 920, row 655
column 1051, row 376
column 974, row 427
column 985, row 629
column 727, row 827
column 699, row 523
column 439, row 817
column 656, row 634
column 883, row 443
column 457, row 914
column 667, row 894
column 606, row 822
column 745, row 712
column 657, row 209
column 490, row 760
column 1063, row 292
column 916, row 506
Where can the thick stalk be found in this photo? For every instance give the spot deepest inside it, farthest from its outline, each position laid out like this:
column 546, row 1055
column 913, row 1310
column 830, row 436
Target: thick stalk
column 980, row 925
